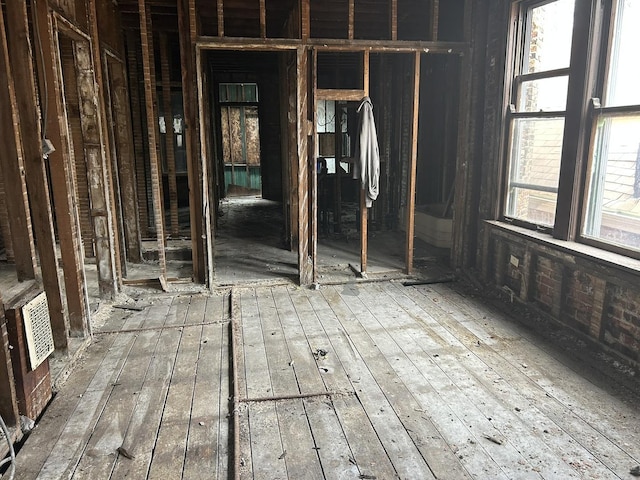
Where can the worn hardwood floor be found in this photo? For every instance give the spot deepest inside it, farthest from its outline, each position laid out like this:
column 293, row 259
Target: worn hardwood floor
column 354, row 381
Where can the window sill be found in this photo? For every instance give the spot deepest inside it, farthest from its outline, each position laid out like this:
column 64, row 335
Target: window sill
column 588, row 252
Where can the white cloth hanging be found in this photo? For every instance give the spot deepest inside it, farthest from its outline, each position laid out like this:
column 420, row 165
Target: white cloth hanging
column 367, row 159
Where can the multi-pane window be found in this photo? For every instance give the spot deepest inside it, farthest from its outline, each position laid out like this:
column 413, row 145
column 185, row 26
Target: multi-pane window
column 544, row 75
column 612, row 213
column 538, row 102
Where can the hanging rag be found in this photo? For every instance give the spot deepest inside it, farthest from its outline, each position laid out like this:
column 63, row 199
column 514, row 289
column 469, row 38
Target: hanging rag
column 367, row 160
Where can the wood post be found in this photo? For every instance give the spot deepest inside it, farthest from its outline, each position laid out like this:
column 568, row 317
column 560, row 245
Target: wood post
column 63, row 176
column 364, row 212
column 21, row 57
column 411, row 193
column 126, row 171
column 146, row 39
column 108, row 260
column 11, row 164
column 220, row 7
column 305, row 267
column 199, row 242
column 206, row 198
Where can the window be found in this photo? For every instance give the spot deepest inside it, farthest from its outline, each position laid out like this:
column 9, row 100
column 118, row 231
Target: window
column 593, row 64
column 537, row 111
column 612, row 213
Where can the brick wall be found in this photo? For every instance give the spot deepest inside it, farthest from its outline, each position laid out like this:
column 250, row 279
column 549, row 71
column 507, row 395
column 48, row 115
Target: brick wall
column 594, row 298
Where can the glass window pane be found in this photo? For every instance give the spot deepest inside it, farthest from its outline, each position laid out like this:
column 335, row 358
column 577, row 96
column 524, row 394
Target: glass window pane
column 549, row 32
column 544, row 95
column 622, row 82
column 534, row 169
column 613, row 207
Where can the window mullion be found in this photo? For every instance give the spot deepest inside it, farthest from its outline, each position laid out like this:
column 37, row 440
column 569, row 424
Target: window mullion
column 576, row 127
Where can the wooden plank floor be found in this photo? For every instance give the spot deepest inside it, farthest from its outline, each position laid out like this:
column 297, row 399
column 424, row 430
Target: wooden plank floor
column 354, row 381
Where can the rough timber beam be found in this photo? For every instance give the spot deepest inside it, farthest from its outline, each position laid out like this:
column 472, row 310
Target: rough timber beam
column 13, row 172
column 146, row 38
column 62, row 177
column 21, row 56
column 187, row 36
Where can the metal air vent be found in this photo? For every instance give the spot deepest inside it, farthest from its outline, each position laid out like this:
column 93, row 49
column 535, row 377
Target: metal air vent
column 37, row 328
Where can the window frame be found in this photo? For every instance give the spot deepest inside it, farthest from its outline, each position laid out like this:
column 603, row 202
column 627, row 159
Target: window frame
column 592, row 40
column 514, row 78
column 597, row 112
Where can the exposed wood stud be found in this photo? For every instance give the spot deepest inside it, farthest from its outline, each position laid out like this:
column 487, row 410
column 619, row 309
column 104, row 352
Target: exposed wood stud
column 220, row 7
column 364, row 212
column 351, row 19
column 435, row 14
column 18, row 236
column 63, row 179
column 169, row 142
column 125, row 159
column 305, row 20
column 94, row 154
column 37, row 184
column 152, row 127
column 313, row 151
column 411, row 199
column 263, row 19
column 305, row 268
column 207, row 198
column 187, row 34
column 394, row 20
column 106, row 236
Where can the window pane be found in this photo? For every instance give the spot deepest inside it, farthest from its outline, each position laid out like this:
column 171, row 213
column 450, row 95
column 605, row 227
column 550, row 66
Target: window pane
column 544, row 95
column 622, row 84
column 613, row 209
column 548, row 44
column 534, row 169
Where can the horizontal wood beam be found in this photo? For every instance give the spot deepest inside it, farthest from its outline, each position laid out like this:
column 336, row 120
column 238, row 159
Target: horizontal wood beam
column 380, row 46
column 337, row 95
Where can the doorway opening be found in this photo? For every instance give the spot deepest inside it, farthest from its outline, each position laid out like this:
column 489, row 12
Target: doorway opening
column 244, row 142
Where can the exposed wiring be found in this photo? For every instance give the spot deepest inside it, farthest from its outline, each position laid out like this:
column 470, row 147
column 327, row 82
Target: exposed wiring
column 12, row 457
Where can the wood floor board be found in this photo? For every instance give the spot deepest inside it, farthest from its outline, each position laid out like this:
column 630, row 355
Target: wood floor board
column 368, row 453
column 298, row 443
column 279, row 365
column 209, row 407
column 267, row 452
column 61, row 408
column 101, row 451
column 571, row 397
column 72, row 438
column 334, row 451
column 309, row 309
column 444, row 440
column 559, row 425
column 300, row 350
column 141, row 435
column 255, row 357
column 171, row 445
column 416, row 382
column 500, row 402
column 375, row 393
